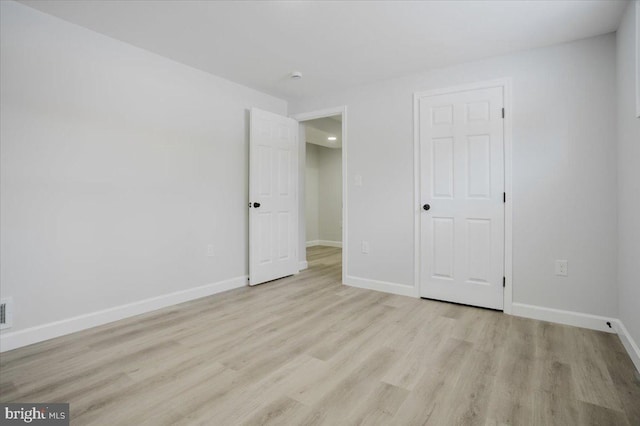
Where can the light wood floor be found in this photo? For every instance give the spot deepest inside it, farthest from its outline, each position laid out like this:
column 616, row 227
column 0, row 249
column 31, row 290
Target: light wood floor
column 306, row 350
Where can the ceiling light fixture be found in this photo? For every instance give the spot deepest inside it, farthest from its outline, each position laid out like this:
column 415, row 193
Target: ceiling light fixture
column 295, row 75
column 332, row 138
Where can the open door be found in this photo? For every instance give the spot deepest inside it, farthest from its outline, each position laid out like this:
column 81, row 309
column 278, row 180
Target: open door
column 273, row 197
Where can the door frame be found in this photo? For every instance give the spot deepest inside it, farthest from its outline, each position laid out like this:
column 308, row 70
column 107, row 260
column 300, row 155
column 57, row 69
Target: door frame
column 328, row 112
column 506, row 84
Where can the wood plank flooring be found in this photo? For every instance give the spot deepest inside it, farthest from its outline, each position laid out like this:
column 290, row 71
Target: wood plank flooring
column 306, row 350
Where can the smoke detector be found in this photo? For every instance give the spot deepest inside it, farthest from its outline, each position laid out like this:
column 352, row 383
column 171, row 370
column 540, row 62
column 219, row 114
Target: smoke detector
column 295, row 75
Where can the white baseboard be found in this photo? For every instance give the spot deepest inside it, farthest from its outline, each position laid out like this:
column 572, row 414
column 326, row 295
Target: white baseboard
column 629, row 344
column 324, row 243
column 577, row 319
column 18, row 339
column 303, row 265
column 387, row 287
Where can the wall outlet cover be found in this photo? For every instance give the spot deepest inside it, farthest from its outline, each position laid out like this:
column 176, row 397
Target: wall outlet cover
column 6, row 313
column 365, row 247
column 562, row 268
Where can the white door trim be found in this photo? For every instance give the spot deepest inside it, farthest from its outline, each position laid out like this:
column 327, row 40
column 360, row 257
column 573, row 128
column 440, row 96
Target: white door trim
column 505, row 83
column 327, row 112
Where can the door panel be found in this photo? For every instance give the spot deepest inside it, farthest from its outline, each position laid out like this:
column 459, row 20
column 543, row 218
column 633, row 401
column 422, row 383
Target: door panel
column 479, row 250
column 273, row 185
column 462, row 179
column 443, row 244
column 443, row 167
column 479, row 166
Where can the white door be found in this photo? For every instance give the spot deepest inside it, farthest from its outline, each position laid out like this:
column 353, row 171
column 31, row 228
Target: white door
column 273, row 189
column 461, row 137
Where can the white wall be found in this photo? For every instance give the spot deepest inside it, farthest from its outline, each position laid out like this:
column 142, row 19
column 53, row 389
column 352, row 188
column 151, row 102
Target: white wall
column 118, row 168
column 564, row 162
column 312, row 192
column 628, row 176
column 330, row 195
column 323, row 193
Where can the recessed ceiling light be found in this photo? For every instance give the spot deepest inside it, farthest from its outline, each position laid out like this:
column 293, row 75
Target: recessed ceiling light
column 332, row 138
column 295, row 75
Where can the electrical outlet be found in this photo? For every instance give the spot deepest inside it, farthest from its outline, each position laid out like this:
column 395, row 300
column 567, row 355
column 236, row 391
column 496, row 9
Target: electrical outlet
column 562, row 268
column 358, row 180
column 210, row 250
column 365, row 247
column 6, row 313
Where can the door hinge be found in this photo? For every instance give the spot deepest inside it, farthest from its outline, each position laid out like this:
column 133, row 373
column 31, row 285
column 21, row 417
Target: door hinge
column 504, row 282
column 504, row 197
column 502, row 112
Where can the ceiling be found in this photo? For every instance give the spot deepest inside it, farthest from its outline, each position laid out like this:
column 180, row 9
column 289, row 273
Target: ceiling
column 319, row 131
column 336, row 45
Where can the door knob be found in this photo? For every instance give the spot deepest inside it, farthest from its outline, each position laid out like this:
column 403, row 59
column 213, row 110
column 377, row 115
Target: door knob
column 256, row 205
column 426, row 207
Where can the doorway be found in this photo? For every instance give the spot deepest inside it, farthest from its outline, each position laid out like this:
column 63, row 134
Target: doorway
column 322, row 207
